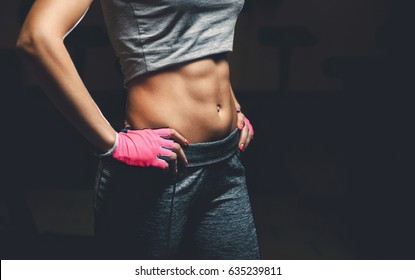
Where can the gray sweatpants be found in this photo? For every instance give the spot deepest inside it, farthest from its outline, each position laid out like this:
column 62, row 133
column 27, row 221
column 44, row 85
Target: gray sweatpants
column 202, row 213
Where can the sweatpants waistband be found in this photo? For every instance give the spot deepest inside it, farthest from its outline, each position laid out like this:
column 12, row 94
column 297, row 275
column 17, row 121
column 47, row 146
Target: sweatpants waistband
column 212, row 152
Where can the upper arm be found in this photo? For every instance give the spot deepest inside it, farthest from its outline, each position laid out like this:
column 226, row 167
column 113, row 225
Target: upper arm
column 53, row 17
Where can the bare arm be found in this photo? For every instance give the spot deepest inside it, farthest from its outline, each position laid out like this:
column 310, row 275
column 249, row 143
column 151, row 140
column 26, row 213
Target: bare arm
column 41, row 45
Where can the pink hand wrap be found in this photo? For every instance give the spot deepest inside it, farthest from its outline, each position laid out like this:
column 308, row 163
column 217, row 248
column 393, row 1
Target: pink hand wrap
column 248, row 123
column 144, row 147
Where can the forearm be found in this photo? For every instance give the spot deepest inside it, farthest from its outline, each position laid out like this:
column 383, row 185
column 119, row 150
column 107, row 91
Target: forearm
column 49, row 61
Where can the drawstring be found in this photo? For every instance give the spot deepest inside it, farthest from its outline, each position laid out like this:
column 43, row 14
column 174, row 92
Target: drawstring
column 170, row 219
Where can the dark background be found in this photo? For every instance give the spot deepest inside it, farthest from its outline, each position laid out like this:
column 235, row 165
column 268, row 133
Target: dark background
column 329, row 88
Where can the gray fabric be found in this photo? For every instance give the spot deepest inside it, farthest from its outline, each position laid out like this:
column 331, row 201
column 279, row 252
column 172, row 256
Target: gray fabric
column 148, row 35
column 203, row 213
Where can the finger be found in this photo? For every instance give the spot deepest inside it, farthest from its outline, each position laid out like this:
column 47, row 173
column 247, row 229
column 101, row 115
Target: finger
column 175, row 147
column 165, row 156
column 180, row 153
column 248, row 139
column 240, row 122
column 173, row 163
column 161, row 163
column 162, row 132
column 243, row 138
column 171, row 159
column 166, row 143
column 177, row 137
column 250, row 132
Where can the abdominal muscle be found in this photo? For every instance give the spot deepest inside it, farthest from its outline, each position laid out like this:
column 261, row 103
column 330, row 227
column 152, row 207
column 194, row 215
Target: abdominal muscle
column 193, row 98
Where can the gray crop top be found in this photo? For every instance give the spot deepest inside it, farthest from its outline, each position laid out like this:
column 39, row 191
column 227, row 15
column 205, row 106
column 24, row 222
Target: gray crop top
column 148, row 35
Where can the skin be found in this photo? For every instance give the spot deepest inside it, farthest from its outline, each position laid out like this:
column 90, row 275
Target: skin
column 195, row 99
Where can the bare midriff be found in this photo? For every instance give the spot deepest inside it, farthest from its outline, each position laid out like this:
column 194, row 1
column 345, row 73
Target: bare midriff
column 193, row 98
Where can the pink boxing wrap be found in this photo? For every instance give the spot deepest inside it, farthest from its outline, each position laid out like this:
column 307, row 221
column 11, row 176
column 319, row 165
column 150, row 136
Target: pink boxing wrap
column 248, row 123
column 146, row 147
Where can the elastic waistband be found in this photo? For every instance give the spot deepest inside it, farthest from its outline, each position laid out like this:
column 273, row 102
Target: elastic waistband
column 211, row 152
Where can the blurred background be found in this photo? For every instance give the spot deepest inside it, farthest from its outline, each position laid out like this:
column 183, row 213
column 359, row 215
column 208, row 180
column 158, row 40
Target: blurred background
column 328, row 86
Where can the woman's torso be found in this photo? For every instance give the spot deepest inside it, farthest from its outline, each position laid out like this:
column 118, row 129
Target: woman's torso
column 168, row 51
column 193, row 98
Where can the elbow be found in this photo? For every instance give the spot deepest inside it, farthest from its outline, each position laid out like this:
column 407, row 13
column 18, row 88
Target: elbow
column 26, row 44
column 33, row 44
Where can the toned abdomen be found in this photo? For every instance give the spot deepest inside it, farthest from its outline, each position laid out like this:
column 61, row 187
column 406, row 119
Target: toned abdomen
column 193, row 98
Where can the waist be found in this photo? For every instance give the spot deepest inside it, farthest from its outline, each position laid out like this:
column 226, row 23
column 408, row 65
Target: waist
column 193, row 98
column 212, row 152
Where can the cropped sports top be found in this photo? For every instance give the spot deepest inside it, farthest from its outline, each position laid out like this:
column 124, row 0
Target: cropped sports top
column 148, row 35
